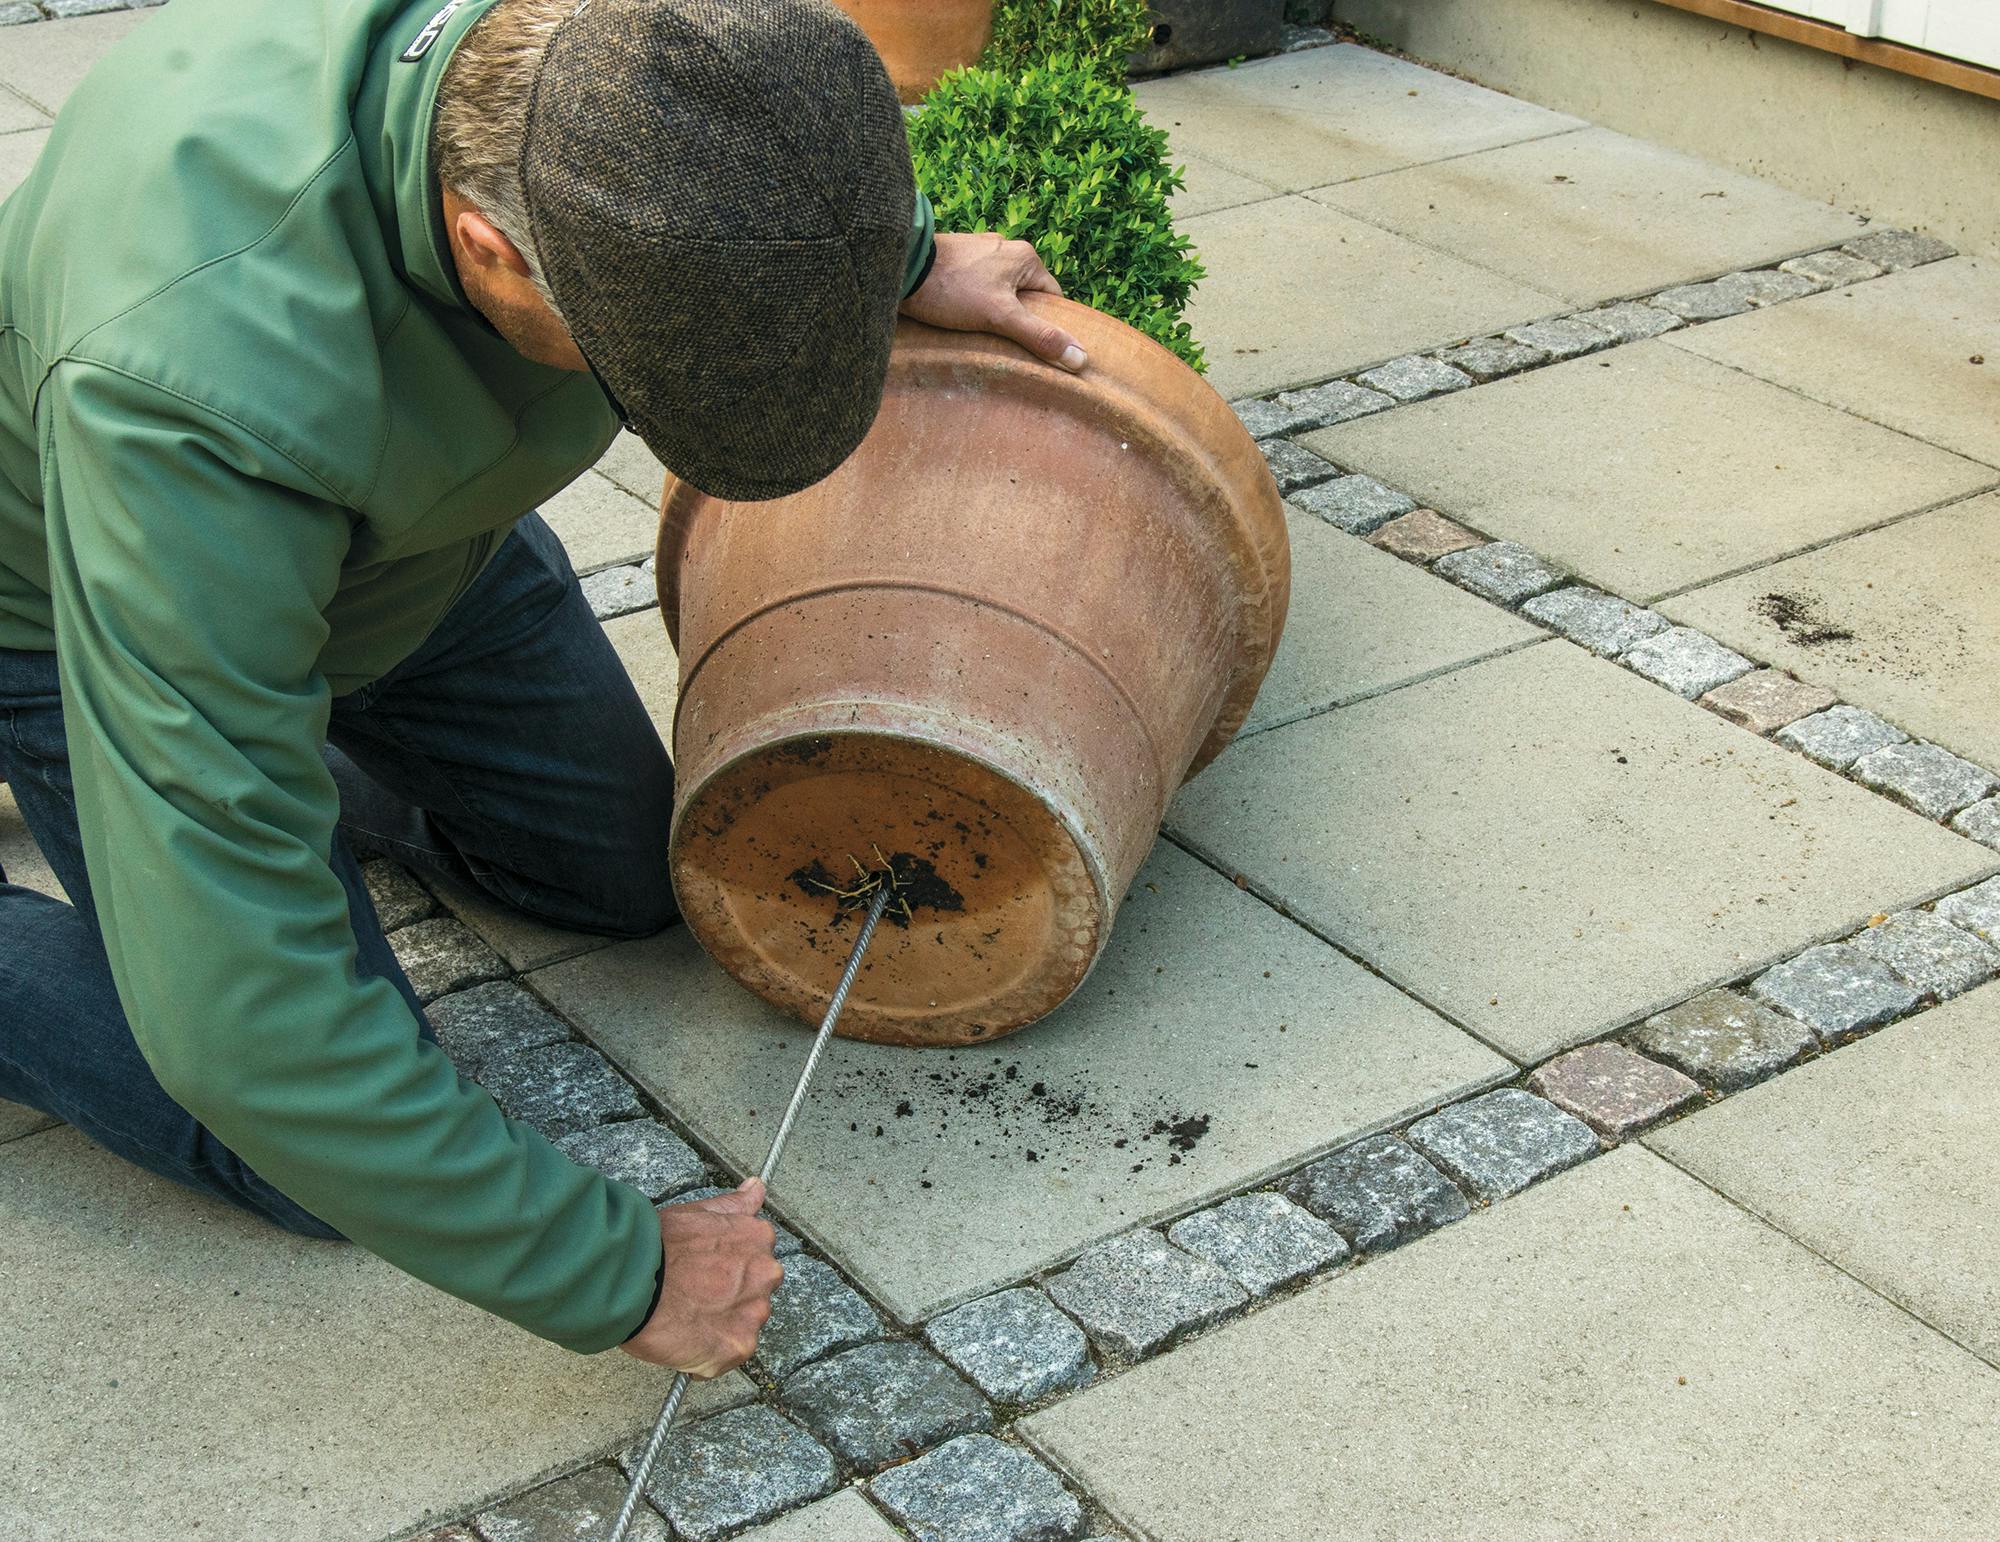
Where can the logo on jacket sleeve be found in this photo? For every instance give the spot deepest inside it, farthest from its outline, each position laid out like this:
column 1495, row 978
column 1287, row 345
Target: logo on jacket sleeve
column 421, row 43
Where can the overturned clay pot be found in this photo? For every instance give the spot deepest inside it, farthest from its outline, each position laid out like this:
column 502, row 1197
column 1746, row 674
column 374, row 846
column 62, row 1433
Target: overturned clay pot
column 985, row 652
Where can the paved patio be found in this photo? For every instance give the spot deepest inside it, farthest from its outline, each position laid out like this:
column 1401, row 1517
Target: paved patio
column 1544, row 1081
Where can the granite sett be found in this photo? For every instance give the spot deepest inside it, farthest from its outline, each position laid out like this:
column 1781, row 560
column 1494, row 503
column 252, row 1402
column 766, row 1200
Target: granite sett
column 1378, row 1194
column 979, row 1489
column 1015, row 1345
column 1615, row 1092
column 884, row 1403
column 1136, row 1293
column 1501, row 1142
column 1938, row 958
column 1724, row 1040
column 1835, row 989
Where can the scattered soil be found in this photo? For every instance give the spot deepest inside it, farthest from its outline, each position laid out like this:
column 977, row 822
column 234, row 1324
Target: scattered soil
column 979, row 1102
column 1799, row 618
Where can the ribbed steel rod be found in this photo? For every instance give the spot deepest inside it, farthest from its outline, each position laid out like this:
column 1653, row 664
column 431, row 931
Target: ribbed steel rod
column 671, row 1407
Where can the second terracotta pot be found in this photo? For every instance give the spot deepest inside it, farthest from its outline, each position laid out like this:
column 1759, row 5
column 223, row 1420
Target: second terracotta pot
column 919, row 40
column 988, row 648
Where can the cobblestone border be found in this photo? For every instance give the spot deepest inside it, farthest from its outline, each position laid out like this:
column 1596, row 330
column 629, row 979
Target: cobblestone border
column 17, row 13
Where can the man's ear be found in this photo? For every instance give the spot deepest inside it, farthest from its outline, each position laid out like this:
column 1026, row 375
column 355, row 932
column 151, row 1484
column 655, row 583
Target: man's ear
column 483, row 244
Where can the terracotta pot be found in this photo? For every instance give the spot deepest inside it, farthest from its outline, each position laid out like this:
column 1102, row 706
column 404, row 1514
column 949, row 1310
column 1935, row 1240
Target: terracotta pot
column 919, row 40
column 996, row 640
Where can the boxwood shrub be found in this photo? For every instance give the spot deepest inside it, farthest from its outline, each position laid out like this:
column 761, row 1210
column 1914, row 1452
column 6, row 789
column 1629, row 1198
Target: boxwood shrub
column 1060, row 155
column 1103, row 33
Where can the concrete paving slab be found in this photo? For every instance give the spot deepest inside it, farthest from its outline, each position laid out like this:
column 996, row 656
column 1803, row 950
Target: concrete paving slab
column 17, row 112
column 1594, row 215
column 17, row 156
column 845, row 1517
column 1900, row 621
column 1304, row 120
column 1216, row 1042
column 253, row 1384
column 19, row 856
column 600, row 524
column 1297, row 292
column 1546, row 847
column 1618, row 1353
column 1881, row 1159
column 649, row 659
column 1210, row 186
column 635, row 468
column 1898, row 350
column 17, row 1120
column 44, row 64
column 1649, row 469
column 1363, row 621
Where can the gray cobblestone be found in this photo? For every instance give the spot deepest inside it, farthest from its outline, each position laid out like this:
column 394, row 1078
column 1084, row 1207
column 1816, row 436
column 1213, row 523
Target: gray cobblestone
column 1603, row 623
column 1977, row 909
column 1337, row 401
column 1981, row 822
column 442, row 955
column 448, row 1534
column 1500, row 571
column 618, row 592
column 1267, row 419
column 1835, row 989
column 884, row 1403
column 1562, row 338
column 1687, row 662
column 579, row 1506
column 649, row 1156
column 17, row 12
column 1765, row 700
column 1414, row 377
column 1724, row 1040
column 735, row 1470
column 1014, row 1346
column 1839, row 736
column 1630, row 321
column 1135, row 1294
column 63, row 10
column 1936, row 957
column 1831, row 270
column 1357, row 504
column 1933, row 781
column 813, row 1313
column 558, row 1088
column 1767, row 286
column 1261, row 1241
column 1499, row 1144
column 399, row 899
column 978, row 1489
column 786, row 1245
column 1703, row 302
column 1378, row 1194
column 1295, row 39
column 1423, row 535
column 1490, row 358
column 1614, row 1091
column 1895, row 249
column 1294, row 466
column 474, row 1026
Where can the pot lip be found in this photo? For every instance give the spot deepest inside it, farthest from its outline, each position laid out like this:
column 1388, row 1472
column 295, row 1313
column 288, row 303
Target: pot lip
column 1209, row 437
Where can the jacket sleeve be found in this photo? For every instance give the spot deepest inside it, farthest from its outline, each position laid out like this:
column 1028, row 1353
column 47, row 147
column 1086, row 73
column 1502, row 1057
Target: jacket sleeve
column 923, row 246
column 190, row 566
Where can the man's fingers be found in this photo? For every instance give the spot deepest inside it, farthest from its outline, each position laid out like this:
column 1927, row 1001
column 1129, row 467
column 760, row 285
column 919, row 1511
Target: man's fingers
column 1040, row 337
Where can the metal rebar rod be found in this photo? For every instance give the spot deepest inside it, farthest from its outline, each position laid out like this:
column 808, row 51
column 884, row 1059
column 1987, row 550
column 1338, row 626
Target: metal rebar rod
column 643, row 1469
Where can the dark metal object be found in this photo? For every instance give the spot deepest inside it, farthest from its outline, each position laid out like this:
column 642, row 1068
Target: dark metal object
column 643, row 1469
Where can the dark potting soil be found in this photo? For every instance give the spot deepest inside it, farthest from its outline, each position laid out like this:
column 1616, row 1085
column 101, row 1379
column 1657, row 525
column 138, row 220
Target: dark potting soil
column 1797, row 617
column 985, row 1103
column 918, row 887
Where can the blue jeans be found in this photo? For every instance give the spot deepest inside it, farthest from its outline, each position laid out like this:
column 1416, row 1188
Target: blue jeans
column 509, row 751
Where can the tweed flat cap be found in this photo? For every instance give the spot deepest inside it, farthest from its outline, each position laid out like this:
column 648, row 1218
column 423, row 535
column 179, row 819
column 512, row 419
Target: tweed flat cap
column 719, row 192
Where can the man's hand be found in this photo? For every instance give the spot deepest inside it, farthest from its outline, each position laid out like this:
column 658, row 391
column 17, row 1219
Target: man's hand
column 715, row 1293
column 975, row 285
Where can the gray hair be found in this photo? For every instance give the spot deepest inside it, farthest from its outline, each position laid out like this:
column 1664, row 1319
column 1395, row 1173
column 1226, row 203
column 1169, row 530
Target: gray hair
column 482, row 117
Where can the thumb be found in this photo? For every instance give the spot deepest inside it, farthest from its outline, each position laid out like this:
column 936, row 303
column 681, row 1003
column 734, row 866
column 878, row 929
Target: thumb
column 1042, row 338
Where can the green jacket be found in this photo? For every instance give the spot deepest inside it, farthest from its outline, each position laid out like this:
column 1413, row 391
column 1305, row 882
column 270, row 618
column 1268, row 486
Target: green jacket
column 253, row 443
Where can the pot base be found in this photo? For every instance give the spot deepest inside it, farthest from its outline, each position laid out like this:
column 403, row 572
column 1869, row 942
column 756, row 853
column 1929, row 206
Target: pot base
column 1005, row 914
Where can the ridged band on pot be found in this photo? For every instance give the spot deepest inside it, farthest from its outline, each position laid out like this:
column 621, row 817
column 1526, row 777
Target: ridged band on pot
column 920, row 40
column 988, row 648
